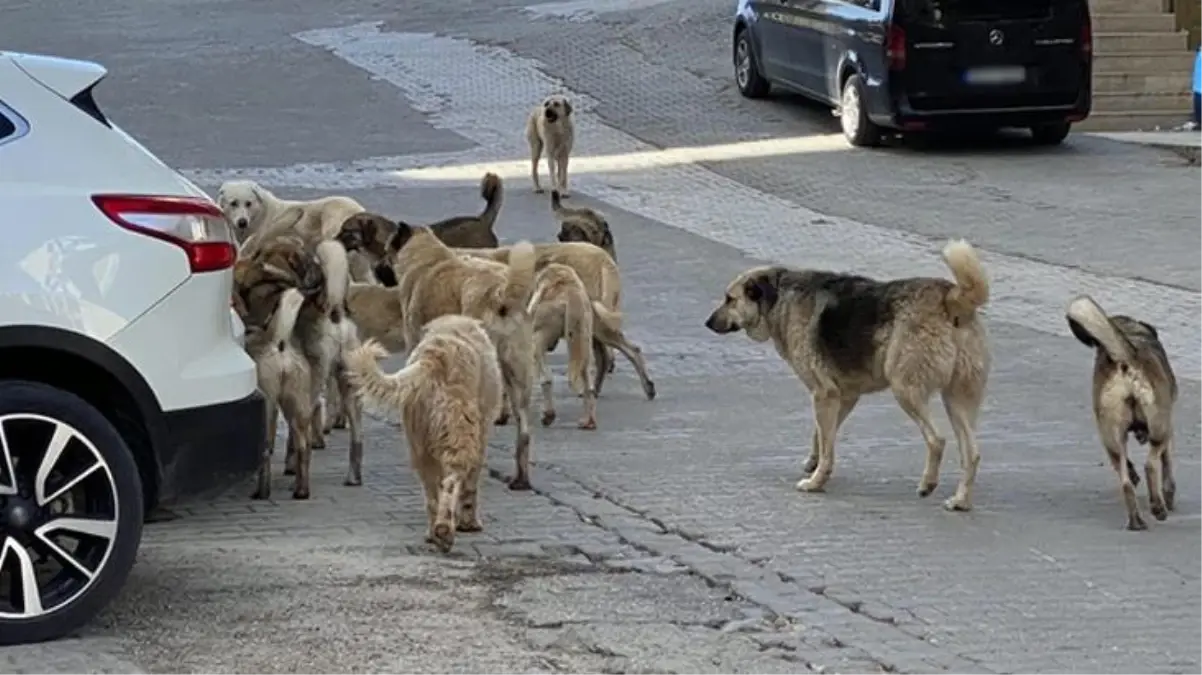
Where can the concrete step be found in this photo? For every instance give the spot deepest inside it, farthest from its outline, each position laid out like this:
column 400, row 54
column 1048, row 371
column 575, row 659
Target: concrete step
column 1112, row 43
column 1125, row 6
column 1154, row 82
column 1134, row 23
column 1143, row 102
column 1181, row 62
column 1128, row 121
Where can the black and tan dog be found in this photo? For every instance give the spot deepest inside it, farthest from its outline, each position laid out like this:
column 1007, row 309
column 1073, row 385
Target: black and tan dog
column 582, row 224
column 846, row 336
column 1134, row 391
column 368, row 233
column 321, row 334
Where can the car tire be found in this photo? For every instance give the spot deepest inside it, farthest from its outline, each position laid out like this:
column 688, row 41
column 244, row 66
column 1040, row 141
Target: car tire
column 1053, row 133
column 747, row 68
column 64, row 470
column 853, row 115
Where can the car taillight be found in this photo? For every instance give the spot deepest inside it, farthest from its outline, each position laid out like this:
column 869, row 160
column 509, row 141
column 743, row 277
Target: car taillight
column 895, row 47
column 194, row 224
column 1086, row 40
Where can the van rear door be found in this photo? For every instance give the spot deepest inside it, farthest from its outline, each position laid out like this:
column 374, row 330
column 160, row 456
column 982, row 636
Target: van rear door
column 994, row 54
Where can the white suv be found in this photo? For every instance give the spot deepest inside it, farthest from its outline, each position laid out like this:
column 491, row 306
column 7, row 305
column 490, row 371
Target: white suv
column 123, row 382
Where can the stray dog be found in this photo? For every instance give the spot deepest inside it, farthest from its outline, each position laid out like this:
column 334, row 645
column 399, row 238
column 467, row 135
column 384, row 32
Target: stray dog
column 434, row 281
column 582, row 224
column 369, row 233
column 377, row 313
column 255, row 212
column 846, row 336
column 322, row 331
column 561, row 307
column 1134, row 391
column 285, row 379
column 551, row 128
column 599, row 273
column 447, row 394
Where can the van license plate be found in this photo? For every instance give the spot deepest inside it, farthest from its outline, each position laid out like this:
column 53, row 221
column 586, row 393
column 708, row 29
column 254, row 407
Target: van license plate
column 995, row 75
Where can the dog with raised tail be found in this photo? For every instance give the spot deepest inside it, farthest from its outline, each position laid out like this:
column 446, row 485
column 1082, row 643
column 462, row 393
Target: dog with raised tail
column 447, row 396
column 1134, row 391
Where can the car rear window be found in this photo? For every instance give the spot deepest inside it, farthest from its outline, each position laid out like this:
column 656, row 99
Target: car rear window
column 7, row 128
column 948, row 12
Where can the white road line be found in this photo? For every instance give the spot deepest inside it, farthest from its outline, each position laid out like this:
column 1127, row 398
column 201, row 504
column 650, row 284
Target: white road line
column 484, row 94
column 587, row 10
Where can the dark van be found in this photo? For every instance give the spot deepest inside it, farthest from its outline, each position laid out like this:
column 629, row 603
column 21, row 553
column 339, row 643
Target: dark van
column 917, row 65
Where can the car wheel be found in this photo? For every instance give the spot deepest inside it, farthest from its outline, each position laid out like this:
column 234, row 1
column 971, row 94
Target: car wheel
column 1050, row 134
column 70, row 512
column 747, row 69
column 853, row 115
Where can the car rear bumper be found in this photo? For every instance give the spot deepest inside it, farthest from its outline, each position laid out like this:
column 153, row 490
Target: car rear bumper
column 904, row 116
column 212, row 448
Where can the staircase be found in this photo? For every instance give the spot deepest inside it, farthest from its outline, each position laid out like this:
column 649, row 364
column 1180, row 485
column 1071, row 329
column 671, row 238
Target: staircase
column 1142, row 68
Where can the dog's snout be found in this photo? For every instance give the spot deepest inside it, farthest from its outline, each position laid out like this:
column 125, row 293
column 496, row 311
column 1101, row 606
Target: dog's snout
column 711, row 322
column 241, row 223
column 719, row 324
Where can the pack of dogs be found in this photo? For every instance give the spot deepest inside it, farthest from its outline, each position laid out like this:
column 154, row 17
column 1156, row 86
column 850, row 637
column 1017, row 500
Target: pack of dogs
column 326, row 289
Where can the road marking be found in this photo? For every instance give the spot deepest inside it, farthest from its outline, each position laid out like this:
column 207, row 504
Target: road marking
column 484, row 93
column 587, row 10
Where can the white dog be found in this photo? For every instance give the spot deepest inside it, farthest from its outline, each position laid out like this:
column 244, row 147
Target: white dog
column 550, row 128
column 257, row 213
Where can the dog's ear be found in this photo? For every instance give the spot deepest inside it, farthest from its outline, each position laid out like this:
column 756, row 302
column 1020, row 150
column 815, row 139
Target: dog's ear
column 1081, row 334
column 607, row 239
column 567, row 107
column 385, row 274
column 1151, row 329
column 404, row 231
column 257, row 192
column 761, row 289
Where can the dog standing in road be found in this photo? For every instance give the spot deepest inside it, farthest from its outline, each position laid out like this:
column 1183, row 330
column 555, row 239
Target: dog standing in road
column 846, row 336
column 255, row 212
column 582, row 224
column 1134, row 391
column 551, row 130
column 447, row 394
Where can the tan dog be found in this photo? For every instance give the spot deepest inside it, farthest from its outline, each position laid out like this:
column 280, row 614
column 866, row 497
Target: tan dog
column 1134, row 391
column 846, row 336
column 285, row 378
column 599, row 273
column 447, row 394
column 254, row 211
column 551, row 130
column 561, row 308
column 434, row 281
column 322, row 330
column 582, row 224
column 378, row 314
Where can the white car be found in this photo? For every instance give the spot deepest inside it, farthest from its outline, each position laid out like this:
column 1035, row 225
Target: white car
column 123, row 382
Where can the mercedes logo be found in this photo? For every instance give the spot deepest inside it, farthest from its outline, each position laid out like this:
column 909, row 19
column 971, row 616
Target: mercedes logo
column 996, row 37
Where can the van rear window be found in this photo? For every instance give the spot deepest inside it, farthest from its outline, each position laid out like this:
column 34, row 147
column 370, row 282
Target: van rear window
column 948, row 12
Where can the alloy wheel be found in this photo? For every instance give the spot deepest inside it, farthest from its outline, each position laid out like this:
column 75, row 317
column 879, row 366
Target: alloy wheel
column 58, row 515
column 742, row 63
column 849, row 116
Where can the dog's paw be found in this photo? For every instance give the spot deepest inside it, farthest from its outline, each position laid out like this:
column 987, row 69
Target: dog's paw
column 811, row 484
column 472, row 525
column 502, row 420
column 1170, row 496
column 957, row 503
column 539, row 190
column 300, row 493
column 548, row 418
column 519, row 483
column 260, row 494
column 649, row 390
column 1135, row 523
column 318, row 443
column 290, row 471
column 443, row 537
column 340, row 422
column 1159, row 512
column 353, row 480
column 588, row 424
column 925, row 489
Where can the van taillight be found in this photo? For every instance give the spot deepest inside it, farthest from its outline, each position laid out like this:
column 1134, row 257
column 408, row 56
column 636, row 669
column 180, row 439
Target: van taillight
column 895, row 47
column 1086, row 41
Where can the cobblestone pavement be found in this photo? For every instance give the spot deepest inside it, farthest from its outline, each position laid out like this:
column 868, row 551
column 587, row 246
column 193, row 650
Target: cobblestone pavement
column 671, row 540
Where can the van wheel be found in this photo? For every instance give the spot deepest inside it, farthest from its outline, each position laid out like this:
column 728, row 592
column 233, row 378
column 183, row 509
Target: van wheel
column 1050, row 134
column 747, row 69
column 70, row 512
column 853, row 117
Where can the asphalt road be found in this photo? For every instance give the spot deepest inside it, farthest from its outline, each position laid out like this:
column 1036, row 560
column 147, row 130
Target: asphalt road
column 671, row 540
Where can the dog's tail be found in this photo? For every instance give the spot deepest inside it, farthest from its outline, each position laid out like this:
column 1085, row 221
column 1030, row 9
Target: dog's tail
column 971, row 291
column 1093, row 328
column 578, row 328
column 520, row 286
column 284, row 320
column 605, row 320
column 493, row 194
column 378, row 391
column 336, row 266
